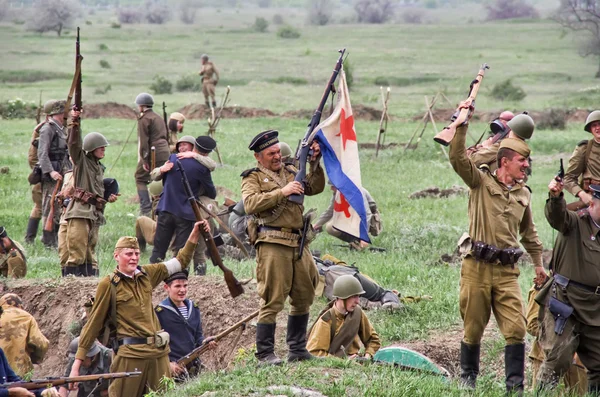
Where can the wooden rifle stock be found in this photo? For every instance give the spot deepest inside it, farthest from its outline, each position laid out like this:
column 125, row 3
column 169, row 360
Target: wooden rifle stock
column 51, row 382
column 197, row 352
column 445, row 136
column 152, row 158
column 49, row 225
column 234, row 286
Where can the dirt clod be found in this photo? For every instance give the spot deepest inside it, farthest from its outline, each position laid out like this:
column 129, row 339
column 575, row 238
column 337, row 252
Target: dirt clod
column 436, row 192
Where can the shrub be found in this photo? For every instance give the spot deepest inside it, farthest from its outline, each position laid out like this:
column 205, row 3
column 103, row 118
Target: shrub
column 554, row 119
column 157, row 13
column 188, row 83
column 288, row 32
column 104, row 64
column 510, row 9
column 115, row 25
column 412, row 16
column 161, row 85
column 88, row 22
column 187, row 12
column 129, row 15
column 18, row 109
column 260, row 25
column 374, row 11
column 278, row 19
column 102, row 47
column 319, row 12
column 505, row 90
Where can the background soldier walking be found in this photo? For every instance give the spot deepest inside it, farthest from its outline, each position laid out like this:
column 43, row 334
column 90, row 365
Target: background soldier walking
column 210, row 78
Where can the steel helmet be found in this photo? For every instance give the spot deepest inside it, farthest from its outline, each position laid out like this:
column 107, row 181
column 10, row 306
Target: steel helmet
column 522, row 125
column 186, row 138
column 155, row 188
column 286, row 150
column 54, row 106
column 594, row 116
column 144, row 99
column 93, row 141
column 346, row 286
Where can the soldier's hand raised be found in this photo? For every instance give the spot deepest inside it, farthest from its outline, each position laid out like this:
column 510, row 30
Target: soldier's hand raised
column 293, row 187
column 555, row 187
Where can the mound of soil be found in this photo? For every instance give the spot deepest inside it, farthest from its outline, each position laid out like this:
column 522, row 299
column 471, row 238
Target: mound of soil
column 199, row 111
column 109, row 110
column 57, row 307
column 436, row 192
column 358, row 111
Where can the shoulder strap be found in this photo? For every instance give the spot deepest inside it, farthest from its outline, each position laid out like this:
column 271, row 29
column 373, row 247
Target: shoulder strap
column 248, row 172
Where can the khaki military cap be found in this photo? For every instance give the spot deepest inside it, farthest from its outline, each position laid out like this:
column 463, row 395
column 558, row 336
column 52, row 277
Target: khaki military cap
column 127, row 242
column 177, row 116
column 516, row 145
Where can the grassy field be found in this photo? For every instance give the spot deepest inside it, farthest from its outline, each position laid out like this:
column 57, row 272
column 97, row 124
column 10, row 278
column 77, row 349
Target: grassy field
column 416, row 232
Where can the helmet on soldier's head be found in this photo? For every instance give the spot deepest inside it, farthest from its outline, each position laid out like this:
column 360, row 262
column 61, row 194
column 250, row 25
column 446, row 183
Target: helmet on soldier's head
column 74, row 345
column 93, row 141
column 155, row 188
column 522, row 125
column 144, row 99
column 55, row 107
column 594, row 116
column 346, row 286
column 48, row 106
column 187, row 139
column 204, row 56
column 286, row 150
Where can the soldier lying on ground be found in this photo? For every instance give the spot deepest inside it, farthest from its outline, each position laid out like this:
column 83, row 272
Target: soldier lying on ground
column 20, row 336
column 343, row 327
column 12, row 257
column 97, row 361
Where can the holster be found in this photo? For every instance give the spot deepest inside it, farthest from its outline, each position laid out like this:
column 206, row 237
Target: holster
column 35, row 176
column 561, row 312
column 510, row 256
column 161, row 338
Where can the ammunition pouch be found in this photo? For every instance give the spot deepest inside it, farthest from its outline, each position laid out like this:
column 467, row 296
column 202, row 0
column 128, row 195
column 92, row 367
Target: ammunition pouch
column 279, row 232
column 86, row 197
column 489, row 253
column 35, row 176
column 162, row 338
column 252, row 230
column 561, row 311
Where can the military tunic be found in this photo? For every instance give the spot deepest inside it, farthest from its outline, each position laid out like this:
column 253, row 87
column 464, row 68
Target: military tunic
column 576, row 256
column 578, row 168
column 496, row 215
column 319, row 339
column 210, row 77
column 135, row 318
column 36, row 190
column 486, row 155
column 279, row 272
column 21, row 339
column 151, row 132
column 100, row 365
column 13, row 263
column 83, row 219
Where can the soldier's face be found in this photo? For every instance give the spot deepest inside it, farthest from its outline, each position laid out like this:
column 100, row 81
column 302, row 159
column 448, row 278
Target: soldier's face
column 270, row 158
column 516, row 168
column 179, row 126
column 351, row 303
column 185, row 147
column 99, row 152
column 595, row 128
column 177, row 291
column 127, row 260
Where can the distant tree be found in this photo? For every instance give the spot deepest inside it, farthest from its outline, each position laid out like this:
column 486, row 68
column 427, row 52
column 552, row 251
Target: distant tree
column 374, row 11
column 319, row 12
column 53, row 16
column 157, row 13
column 582, row 17
column 187, row 12
column 129, row 15
column 260, row 25
column 510, row 9
column 4, row 10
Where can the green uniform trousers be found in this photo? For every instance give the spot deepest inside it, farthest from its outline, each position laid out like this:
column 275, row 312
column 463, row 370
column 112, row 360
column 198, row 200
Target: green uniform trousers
column 280, row 274
column 559, row 349
column 153, row 370
column 82, row 237
column 485, row 287
column 36, row 196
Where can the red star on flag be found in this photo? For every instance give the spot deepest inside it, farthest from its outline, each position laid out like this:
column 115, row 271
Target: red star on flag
column 347, row 129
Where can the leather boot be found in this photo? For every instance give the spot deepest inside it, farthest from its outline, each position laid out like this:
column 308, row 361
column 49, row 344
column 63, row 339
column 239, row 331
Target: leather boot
column 200, row 269
column 145, row 203
column 469, row 364
column 296, row 338
column 32, row 229
column 514, row 368
column 265, row 345
column 70, row 270
column 88, row 270
column 49, row 239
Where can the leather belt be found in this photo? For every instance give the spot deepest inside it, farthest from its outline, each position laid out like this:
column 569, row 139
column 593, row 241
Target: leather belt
column 278, row 229
column 136, row 341
column 564, row 281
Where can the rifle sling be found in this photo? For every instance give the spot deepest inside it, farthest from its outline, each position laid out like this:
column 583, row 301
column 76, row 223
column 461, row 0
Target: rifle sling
column 347, row 333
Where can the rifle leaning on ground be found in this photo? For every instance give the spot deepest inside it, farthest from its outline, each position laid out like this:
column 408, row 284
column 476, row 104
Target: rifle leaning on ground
column 234, row 286
column 49, row 225
column 303, row 153
column 197, row 352
column 445, row 136
column 59, row 381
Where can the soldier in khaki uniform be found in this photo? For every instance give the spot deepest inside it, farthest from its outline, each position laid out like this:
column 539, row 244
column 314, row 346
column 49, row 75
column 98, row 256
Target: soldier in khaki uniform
column 499, row 210
column 12, row 257
column 575, row 378
column 584, row 164
column 20, row 337
column 85, row 212
column 210, row 78
column 175, row 124
column 54, row 161
column 571, row 321
column 151, row 132
column 275, row 232
column 341, row 330
column 64, row 198
column 145, row 226
column 142, row 346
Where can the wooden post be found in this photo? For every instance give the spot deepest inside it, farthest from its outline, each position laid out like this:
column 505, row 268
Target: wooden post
column 213, row 120
column 384, row 118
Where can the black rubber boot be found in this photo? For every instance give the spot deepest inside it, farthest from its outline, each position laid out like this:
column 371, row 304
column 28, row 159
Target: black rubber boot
column 296, row 338
column 265, row 345
column 88, row 270
column 70, row 270
column 145, row 203
column 469, row 364
column 514, row 367
column 32, row 229
column 200, row 269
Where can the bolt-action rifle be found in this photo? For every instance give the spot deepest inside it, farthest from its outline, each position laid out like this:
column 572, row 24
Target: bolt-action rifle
column 165, row 119
column 59, row 381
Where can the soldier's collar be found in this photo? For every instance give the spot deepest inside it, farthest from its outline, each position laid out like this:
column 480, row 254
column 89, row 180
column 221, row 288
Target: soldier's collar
column 137, row 271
